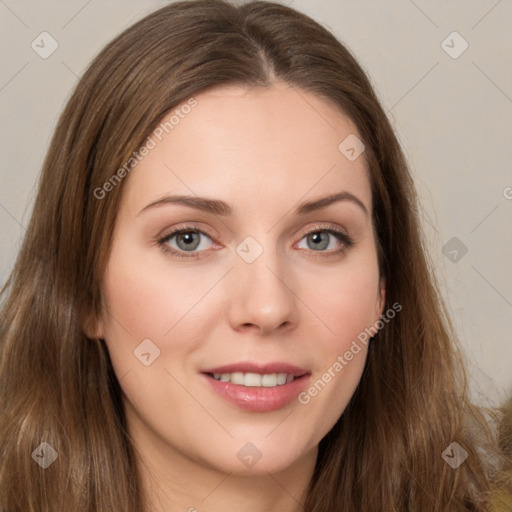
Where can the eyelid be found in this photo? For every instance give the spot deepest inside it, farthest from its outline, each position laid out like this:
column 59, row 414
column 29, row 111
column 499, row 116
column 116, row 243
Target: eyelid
column 324, row 227
column 190, row 226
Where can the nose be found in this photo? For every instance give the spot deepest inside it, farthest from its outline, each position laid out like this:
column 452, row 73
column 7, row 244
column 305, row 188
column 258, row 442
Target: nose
column 263, row 299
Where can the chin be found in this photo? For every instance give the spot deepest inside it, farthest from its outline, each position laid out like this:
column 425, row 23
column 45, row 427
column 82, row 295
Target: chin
column 260, row 458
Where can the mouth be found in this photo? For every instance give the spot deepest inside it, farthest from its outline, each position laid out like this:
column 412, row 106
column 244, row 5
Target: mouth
column 257, row 387
column 267, row 380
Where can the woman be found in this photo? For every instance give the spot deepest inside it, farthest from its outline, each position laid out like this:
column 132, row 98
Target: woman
column 222, row 300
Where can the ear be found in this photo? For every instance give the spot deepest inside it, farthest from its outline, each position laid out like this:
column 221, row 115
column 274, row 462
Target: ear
column 93, row 327
column 381, row 297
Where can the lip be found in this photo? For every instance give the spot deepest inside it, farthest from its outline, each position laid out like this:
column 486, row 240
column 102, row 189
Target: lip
column 258, row 398
column 261, row 368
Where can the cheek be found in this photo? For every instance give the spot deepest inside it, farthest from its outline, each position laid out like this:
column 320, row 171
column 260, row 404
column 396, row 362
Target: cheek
column 347, row 305
column 145, row 302
column 346, row 301
column 330, row 390
column 149, row 298
column 348, row 308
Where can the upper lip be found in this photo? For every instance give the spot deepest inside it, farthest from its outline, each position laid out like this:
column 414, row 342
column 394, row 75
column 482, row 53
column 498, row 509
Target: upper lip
column 261, row 368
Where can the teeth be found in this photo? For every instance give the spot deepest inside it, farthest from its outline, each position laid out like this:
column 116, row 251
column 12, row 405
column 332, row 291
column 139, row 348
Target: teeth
column 282, row 378
column 237, row 378
column 268, row 380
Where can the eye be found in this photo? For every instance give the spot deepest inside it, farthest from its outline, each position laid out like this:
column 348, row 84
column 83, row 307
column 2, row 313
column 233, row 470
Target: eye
column 187, row 239
column 319, row 239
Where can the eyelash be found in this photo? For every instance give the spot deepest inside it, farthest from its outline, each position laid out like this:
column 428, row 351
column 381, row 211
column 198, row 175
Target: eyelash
column 340, row 235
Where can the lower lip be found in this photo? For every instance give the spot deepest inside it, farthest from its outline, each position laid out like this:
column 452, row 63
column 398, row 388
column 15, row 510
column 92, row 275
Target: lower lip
column 258, row 398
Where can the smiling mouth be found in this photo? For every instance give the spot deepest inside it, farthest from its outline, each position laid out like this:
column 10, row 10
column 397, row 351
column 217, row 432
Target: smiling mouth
column 249, row 379
column 257, row 392
column 257, row 386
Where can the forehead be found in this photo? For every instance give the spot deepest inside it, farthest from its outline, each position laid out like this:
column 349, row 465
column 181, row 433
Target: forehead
column 263, row 145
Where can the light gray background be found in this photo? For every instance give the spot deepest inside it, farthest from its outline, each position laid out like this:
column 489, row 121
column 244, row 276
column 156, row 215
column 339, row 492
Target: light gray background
column 452, row 115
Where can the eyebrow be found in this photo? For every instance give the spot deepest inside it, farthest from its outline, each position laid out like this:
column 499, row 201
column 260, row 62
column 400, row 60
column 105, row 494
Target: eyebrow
column 218, row 207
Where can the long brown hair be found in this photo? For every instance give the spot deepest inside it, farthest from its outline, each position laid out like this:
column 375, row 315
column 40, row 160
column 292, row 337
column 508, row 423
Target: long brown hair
column 58, row 386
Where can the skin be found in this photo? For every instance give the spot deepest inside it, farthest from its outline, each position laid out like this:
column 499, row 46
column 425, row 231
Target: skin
column 263, row 151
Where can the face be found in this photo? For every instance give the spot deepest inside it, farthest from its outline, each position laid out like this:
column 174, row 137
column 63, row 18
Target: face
column 206, row 328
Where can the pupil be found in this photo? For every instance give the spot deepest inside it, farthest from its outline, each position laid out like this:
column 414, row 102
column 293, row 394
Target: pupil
column 187, row 239
column 320, row 238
